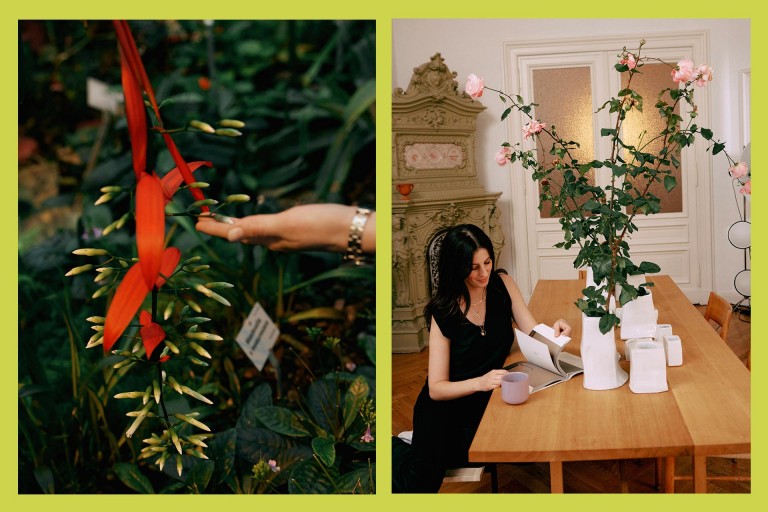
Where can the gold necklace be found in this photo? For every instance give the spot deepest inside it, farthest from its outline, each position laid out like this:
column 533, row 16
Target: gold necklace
column 482, row 325
column 480, row 301
column 477, row 315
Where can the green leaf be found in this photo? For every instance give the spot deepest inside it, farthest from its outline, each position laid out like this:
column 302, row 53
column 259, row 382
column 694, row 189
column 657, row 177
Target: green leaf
column 669, row 182
column 44, row 478
column 308, row 477
column 259, row 397
column 718, row 147
column 604, row 132
column 359, row 481
column 362, row 272
column 648, row 267
column 323, row 401
column 130, row 475
column 506, row 113
column 353, row 400
column 625, row 92
column 325, row 449
column 591, row 205
column 222, row 451
column 281, row 420
column 368, row 343
column 199, row 476
column 706, row 133
column 607, row 322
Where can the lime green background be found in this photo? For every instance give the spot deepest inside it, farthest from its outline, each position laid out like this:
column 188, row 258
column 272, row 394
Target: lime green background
column 383, row 11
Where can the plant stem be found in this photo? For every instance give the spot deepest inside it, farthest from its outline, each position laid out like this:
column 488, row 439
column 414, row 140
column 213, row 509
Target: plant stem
column 158, row 364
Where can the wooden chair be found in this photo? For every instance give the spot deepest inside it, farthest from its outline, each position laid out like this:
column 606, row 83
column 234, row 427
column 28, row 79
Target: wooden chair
column 719, row 311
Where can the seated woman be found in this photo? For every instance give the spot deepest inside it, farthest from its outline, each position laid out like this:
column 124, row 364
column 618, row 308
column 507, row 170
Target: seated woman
column 470, row 335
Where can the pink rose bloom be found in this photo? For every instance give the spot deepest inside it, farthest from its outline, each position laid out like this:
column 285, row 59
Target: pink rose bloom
column 684, row 72
column 502, row 155
column 532, row 128
column 273, row 465
column 747, row 188
column 629, row 60
column 704, row 75
column 739, row 170
column 474, row 86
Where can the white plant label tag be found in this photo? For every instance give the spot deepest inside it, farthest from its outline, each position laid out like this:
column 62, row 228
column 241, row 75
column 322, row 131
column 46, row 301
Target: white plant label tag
column 257, row 336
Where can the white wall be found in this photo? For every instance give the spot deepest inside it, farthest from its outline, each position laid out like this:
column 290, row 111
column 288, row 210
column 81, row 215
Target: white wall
column 475, row 46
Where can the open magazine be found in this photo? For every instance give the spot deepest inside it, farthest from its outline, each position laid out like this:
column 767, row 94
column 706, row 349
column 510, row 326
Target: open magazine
column 546, row 363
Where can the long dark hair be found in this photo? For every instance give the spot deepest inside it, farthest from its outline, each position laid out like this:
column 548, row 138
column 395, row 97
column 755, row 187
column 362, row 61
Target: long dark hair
column 453, row 266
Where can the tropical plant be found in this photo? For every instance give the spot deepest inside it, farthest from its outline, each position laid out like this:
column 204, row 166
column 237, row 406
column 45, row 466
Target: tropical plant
column 299, row 86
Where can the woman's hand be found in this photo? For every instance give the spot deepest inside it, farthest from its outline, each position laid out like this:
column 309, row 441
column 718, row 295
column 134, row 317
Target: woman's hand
column 490, row 380
column 306, row 227
column 561, row 327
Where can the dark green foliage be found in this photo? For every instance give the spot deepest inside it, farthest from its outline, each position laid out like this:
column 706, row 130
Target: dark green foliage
column 306, row 93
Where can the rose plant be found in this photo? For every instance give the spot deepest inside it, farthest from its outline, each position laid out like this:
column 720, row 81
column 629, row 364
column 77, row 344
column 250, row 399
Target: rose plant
column 598, row 219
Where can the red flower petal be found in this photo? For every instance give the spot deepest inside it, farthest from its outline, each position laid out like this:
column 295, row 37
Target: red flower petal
column 171, row 258
column 145, row 318
column 128, row 298
column 128, row 45
column 151, row 335
column 150, row 226
column 136, row 116
column 183, row 167
column 173, row 180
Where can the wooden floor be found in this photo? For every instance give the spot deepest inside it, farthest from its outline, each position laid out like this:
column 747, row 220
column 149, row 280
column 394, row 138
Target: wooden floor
column 409, row 372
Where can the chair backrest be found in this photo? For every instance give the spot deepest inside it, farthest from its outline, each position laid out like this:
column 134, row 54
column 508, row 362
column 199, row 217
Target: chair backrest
column 719, row 311
column 433, row 256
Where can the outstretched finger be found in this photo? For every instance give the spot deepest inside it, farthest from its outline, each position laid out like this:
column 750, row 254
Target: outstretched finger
column 212, row 227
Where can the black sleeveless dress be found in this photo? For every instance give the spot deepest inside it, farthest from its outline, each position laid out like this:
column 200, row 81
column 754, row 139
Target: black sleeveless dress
column 443, row 429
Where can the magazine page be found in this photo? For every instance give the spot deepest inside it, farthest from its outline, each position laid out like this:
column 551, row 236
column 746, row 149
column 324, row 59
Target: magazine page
column 538, row 378
column 536, row 352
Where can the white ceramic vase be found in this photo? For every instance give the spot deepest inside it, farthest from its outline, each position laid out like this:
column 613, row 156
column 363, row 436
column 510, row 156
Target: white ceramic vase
column 600, row 357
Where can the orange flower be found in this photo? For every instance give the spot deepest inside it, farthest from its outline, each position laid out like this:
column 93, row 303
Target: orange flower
column 150, row 225
column 131, row 65
column 131, row 293
column 204, row 83
column 151, row 333
column 173, row 179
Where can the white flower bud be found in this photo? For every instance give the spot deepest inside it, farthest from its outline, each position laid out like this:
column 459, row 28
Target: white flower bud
column 231, row 123
column 103, row 199
column 237, row 198
column 204, row 336
column 78, row 270
column 200, row 350
column 192, row 421
column 202, row 126
column 88, row 251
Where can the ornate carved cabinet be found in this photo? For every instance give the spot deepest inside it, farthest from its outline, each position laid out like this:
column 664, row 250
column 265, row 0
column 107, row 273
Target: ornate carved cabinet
column 433, row 139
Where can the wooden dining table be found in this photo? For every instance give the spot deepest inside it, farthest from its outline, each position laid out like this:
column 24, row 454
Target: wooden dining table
column 706, row 410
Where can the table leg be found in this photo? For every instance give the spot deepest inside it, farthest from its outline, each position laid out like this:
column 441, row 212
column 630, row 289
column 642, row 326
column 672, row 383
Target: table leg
column 699, row 473
column 556, row 476
column 669, row 475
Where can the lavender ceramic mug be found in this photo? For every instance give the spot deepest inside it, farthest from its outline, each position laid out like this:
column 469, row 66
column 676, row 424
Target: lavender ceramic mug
column 514, row 387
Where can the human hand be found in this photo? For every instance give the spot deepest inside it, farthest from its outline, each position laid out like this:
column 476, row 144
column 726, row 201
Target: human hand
column 306, row 227
column 561, row 327
column 490, row 380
